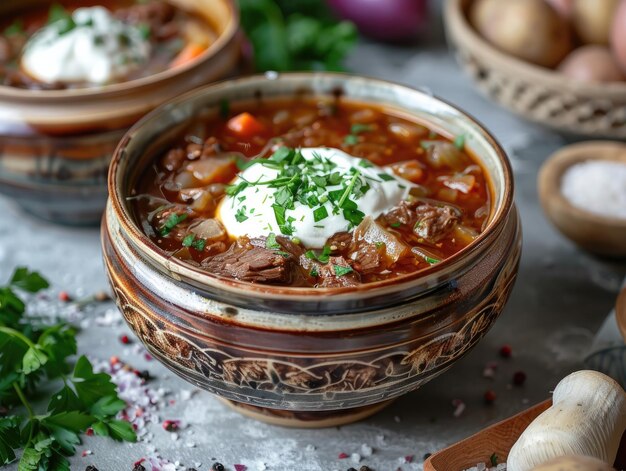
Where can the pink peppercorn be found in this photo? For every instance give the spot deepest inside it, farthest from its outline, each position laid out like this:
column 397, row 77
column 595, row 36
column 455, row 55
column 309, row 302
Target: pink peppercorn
column 506, row 351
column 519, row 378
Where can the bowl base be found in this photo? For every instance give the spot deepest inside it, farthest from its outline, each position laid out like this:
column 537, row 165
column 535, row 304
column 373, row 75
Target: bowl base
column 295, row 419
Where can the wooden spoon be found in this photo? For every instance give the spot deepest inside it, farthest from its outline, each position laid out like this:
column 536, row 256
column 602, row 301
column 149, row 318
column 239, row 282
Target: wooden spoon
column 599, row 234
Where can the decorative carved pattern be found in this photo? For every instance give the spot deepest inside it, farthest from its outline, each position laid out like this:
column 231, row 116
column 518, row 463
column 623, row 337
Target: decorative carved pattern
column 312, row 382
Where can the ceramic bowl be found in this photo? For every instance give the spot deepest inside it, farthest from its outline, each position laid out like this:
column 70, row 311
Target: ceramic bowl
column 596, row 233
column 55, row 146
column 536, row 93
column 308, row 356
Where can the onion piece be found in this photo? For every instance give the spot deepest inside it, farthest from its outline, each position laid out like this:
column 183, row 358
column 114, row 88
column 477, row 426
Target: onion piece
column 464, row 234
column 373, row 233
column 209, row 229
column 462, row 183
column 445, row 154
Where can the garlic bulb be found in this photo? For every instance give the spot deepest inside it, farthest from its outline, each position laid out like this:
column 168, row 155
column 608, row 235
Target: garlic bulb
column 574, row 463
column 587, row 418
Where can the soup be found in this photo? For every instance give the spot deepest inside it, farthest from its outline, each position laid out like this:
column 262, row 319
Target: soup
column 312, row 193
column 85, row 44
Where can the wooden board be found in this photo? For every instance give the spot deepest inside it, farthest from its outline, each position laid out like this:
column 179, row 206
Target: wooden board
column 498, row 439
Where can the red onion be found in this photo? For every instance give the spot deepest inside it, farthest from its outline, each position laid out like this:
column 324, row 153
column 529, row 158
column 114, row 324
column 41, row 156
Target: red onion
column 387, row 20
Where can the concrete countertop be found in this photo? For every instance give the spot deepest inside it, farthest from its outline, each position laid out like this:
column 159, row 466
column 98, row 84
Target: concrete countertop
column 561, row 297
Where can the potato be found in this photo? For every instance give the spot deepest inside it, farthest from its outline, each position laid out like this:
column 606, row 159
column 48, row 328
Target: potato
column 574, row 463
column 592, row 20
column 618, row 35
column 528, row 29
column 591, row 63
column 563, row 7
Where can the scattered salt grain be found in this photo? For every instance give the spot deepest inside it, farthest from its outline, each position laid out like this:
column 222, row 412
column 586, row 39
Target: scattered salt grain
column 597, row 186
column 366, row 450
column 310, row 448
column 459, row 407
column 355, row 457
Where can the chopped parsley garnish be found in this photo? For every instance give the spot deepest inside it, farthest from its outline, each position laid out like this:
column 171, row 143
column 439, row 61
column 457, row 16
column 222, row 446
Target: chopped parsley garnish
column 395, row 224
column 322, row 258
column 432, row 261
column 314, row 272
column 493, row 459
column 15, row 28
column 62, row 18
column 144, row 30
column 351, row 139
column 171, row 222
column 240, row 215
column 386, row 177
column 191, row 241
column 320, row 213
column 459, row 141
column 340, row 270
column 270, row 242
column 358, row 128
column 365, row 163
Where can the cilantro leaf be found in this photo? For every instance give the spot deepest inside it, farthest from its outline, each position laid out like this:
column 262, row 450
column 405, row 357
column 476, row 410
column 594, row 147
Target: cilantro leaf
column 28, row 281
column 320, row 213
column 172, row 221
column 34, row 358
column 122, row 431
column 107, row 406
column 340, row 270
column 271, row 243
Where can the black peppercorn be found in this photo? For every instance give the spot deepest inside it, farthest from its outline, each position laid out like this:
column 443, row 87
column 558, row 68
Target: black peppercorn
column 91, row 468
column 217, row 467
column 139, row 467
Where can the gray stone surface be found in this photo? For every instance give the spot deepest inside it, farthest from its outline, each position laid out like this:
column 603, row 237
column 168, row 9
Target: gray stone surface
column 561, row 297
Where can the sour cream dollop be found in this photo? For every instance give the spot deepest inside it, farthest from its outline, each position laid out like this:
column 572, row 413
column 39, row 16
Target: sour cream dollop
column 309, row 197
column 89, row 46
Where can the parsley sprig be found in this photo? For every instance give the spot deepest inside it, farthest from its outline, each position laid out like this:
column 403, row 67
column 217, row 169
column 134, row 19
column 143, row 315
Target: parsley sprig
column 305, row 181
column 32, row 354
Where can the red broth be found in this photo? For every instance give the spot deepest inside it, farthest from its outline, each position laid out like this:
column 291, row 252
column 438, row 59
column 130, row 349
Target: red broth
column 445, row 211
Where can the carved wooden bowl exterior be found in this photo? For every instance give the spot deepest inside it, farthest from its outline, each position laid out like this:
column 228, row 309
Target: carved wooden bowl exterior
column 539, row 94
column 56, row 146
column 289, row 354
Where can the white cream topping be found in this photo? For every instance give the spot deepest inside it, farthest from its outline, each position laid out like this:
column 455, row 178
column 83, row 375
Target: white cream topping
column 362, row 188
column 89, row 46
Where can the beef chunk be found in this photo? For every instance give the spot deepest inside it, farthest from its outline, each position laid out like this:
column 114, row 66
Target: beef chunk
column 330, row 278
column 429, row 221
column 250, row 262
column 340, row 241
column 368, row 258
column 434, row 222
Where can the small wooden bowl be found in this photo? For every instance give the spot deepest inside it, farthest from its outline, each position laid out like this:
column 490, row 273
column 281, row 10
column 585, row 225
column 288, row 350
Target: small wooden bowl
column 620, row 312
column 598, row 234
column 539, row 94
column 498, row 439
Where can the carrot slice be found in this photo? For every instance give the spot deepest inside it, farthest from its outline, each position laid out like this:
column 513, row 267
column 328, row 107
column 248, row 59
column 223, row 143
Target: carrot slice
column 244, row 125
column 187, row 54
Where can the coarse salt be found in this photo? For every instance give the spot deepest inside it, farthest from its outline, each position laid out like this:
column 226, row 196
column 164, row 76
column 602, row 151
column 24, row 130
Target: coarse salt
column 597, row 186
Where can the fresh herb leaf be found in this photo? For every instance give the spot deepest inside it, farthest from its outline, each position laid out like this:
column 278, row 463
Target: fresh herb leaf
column 240, row 215
column 365, row 163
column 385, row 177
column 320, row 213
column 432, row 261
column 28, row 281
column 351, row 140
column 15, row 28
column 459, row 141
column 358, row 128
column 172, row 221
column 493, row 459
column 188, row 240
column 271, row 243
column 340, row 270
column 314, row 272
column 199, row 244
column 395, row 224
column 144, row 30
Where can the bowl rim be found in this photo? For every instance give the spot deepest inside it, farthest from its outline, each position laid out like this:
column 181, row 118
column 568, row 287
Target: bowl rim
column 552, row 170
column 181, row 269
column 229, row 32
column 457, row 22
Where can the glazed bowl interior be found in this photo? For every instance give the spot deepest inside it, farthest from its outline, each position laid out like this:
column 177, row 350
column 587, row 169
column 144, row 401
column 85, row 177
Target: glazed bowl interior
column 160, row 129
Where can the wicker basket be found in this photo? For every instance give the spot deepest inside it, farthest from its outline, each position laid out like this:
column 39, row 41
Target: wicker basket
column 536, row 93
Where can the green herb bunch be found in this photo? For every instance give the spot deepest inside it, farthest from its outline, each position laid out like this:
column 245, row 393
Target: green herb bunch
column 296, row 35
column 36, row 356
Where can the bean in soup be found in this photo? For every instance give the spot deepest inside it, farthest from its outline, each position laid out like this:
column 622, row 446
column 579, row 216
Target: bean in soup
column 313, row 193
